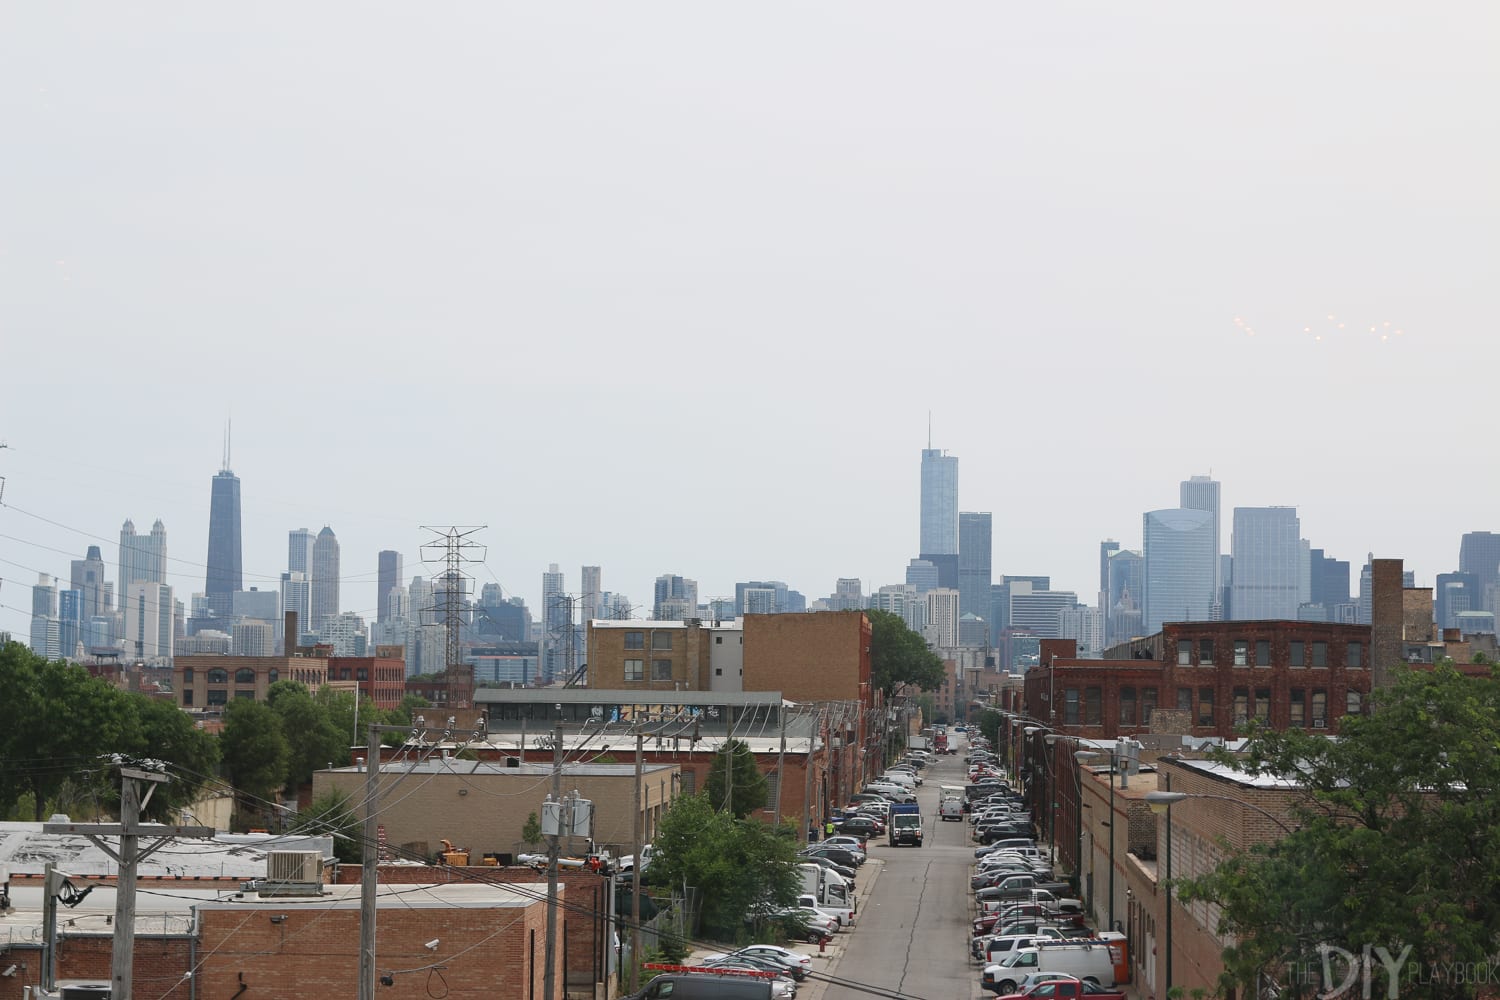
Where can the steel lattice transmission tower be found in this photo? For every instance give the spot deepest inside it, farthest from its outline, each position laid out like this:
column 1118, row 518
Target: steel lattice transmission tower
column 452, row 548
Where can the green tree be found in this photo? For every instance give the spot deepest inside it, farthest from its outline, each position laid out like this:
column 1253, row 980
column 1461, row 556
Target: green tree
column 900, row 656
column 57, row 722
column 255, row 753
column 312, row 741
column 531, row 831
column 750, row 787
column 168, row 734
column 1396, row 840
column 333, row 814
column 740, row 867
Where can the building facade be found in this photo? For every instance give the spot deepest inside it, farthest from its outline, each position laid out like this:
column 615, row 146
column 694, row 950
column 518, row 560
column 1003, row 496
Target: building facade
column 974, row 563
column 388, row 579
column 1267, row 551
column 938, row 542
column 225, row 568
column 142, row 557
column 324, row 581
column 1178, row 567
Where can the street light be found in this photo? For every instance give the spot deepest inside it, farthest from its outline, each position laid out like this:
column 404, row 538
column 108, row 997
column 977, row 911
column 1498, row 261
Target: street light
column 1161, row 803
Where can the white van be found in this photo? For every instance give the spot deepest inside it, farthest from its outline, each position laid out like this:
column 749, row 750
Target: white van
column 952, row 808
column 1088, row 960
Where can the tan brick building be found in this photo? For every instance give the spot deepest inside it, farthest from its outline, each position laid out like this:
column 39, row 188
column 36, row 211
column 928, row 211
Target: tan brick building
column 207, row 683
column 481, row 806
column 823, row 656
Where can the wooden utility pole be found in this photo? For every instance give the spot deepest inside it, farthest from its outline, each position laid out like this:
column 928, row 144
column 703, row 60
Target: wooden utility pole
column 369, row 874
column 635, row 868
column 549, row 974
column 130, row 830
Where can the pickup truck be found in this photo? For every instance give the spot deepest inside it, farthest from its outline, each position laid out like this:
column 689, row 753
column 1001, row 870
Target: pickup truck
column 906, row 825
column 842, row 914
column 1052, row 989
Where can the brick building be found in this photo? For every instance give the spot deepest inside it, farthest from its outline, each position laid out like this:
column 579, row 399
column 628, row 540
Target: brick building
column 206, row 682
column 660, row 655
column 380, row 678
column 1219, row 675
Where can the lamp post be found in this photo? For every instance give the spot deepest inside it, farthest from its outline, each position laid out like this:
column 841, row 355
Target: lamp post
column 1161, row 803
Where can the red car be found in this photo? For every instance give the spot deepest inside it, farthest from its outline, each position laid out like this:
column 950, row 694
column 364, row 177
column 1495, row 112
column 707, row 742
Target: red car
column 1066, row 989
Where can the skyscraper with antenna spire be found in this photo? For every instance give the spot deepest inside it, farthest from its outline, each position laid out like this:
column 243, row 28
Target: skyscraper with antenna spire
column 225, row 573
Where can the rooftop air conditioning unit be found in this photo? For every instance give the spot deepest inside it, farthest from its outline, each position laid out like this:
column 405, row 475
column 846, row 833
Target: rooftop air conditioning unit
column 294, row 866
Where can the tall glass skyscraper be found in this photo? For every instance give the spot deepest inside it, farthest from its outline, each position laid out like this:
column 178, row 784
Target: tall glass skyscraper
column 974, row 563
column 1267, row 551
column 324, row 590
column 388, row 579
column 1202, row 493
column 225, row 574
column 939, row 536
column 1179, row 567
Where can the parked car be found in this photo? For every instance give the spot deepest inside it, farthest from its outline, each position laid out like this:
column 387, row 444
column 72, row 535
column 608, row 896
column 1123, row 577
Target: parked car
column 838, row 855
column 701, row 986
column 847, row 841
column 861, row 826
column 783, row 987
column 798, row 964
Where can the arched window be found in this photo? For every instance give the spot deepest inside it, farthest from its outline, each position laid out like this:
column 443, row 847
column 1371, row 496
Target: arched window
column 218, row 675
column 244, row 675
column 273, row 675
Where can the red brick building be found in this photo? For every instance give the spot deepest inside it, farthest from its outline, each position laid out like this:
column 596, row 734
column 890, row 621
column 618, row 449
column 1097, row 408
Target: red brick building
column 381, row 678
column 1216, row 675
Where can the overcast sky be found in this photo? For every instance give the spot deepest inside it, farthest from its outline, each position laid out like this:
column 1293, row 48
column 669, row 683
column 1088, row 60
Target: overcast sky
column 673, row 287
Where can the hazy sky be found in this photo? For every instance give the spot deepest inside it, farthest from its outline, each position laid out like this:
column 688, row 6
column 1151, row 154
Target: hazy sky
column 673, row 287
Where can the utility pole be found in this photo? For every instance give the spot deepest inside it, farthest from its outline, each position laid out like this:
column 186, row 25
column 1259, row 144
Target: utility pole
column 729, row 758
column 780, row 761
column 369, row 873
column 49, row 927
column 130, row 830
column 635, row 869
column 549, row 974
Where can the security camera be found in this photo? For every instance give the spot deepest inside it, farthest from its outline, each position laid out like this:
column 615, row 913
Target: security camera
column 432, row 945
column 11, row 971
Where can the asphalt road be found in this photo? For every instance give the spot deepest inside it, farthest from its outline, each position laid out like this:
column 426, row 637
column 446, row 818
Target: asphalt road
column 913, row 931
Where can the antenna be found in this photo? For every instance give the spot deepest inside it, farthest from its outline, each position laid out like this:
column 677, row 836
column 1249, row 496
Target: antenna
column 228, row 439
column 929, row 430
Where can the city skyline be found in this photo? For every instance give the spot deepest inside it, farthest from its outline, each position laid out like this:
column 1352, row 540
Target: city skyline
column 1039, row 226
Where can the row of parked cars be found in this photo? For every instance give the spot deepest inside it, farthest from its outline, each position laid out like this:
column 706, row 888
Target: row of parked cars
column 1028, row 932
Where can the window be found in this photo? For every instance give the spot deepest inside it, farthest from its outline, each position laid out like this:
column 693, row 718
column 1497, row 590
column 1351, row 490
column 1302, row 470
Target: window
column 1263, row 704
column 1319, row 708
column 1184, row 652
column 635, row 670
column 1148, row 704
column 1297, row 654
column 1241, row 705
column 1070, row 707
column 1262, row 652
column 661, row 640
column 187, row 675
column 1242, row 652
column 1205, row 652
column 1354, row 655
column 1127, row 706
column 718, row 640
column 218, row 696
column 1298, row 705
column 218, row 675
column 1320, row 654
column 1184, row 699
column 361, row 673
column 243, row 694
column 244, row 675
column 718, row 671
column 187, row 696
column 661, row 670
column 635, row 640
column 1352, row 703
column 273, row 675
column 1205, row 706
column 1093, row 706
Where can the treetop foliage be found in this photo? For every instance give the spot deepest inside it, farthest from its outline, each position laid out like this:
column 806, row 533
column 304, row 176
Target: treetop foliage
column 900, row 656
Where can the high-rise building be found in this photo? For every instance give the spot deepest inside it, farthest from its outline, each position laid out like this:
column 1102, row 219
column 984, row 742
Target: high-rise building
column 1107, row 548
column 779, row 601
column 70, row 622
column 296, row 595
column 88, row 578
column 1479, row 555
column 46, row 639
column 676, row 598
column 325, row 578
column 557, row 625
column 150, row 621
column 252, row 638
column 1202, row 493
column 1455, row 594
column 424, row 610
column 942, row 617
column 1267, row 550
column 939, row 528
column 922, row 575
column 142, row 557
column 299, row 551
column 1178, row 567
column 974, row 559
column 903, row 600
column 593, row 589
column 848, row 595
column 225, row 569
column 387, row 581
column 1328, row 582
column 1085, row 625
column 345, row 632
column 1125, row 594
column 1035, row 610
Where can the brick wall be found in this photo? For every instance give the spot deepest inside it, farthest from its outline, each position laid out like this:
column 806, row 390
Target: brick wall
column 809, row 657
column 159, row 965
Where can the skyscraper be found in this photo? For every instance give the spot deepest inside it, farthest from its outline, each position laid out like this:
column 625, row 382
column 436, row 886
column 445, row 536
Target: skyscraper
column 141, row 557
column 557, row 625
column 45, row 639
column 296, row 595
column 1178, row 566
column 676, row 598
column 88, row 578
column 388, row 579
column 225, row 570
column 939, row 534
column 1202, row 493
column 1267, row 549
column 325, row 578
column 299, row 551
column 974, row 563
column 593, row 591
column 150, row 612
column 1479, row 555
column 1125, row 594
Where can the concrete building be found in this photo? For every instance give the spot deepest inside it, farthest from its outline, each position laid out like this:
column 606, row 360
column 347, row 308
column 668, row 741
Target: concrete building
column 1267, row 554
column 675, row 598
column 299, row 552
column 252, row 638
column 904, row 601
column 296, row 596
column 942, row 617
column 324, row 580
column 344, row 635
column 88, row 577
column 149, row 612
column 1178, row 567
column 142, row 558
